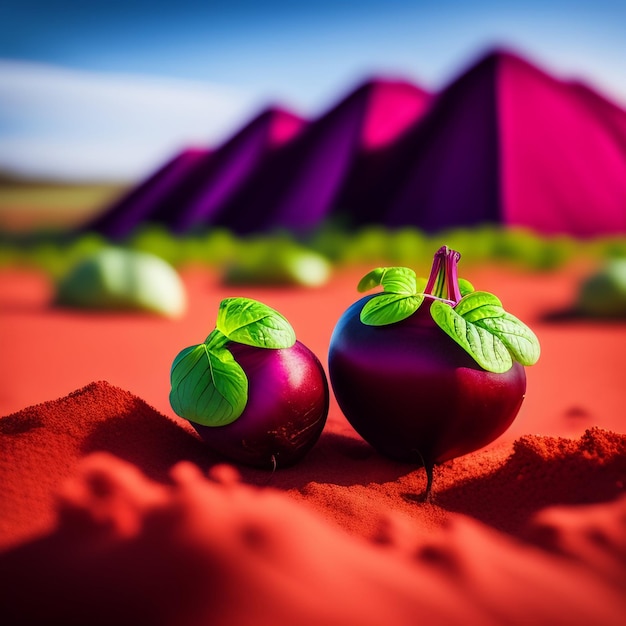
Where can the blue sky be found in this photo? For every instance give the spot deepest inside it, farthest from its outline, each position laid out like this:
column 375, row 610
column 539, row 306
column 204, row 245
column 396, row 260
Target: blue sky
column 97, row 89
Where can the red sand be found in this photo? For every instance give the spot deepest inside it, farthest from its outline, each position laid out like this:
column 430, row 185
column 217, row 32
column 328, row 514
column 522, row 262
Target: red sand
column 106, row 512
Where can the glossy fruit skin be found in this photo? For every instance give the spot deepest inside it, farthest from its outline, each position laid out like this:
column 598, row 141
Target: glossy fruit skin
column 288, row 400
column 413, row 393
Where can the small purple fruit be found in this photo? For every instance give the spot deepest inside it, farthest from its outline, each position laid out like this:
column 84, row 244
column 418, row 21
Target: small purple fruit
column 288, row 399
column 251, row 391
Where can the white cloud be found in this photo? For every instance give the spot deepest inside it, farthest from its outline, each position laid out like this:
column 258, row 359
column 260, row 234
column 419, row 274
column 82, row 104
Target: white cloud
column 82, row 125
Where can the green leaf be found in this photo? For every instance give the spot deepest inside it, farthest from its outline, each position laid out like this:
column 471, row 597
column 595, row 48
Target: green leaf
column 388, row 308
column 478, row 305
column 208, row 386
column 465, row 286
column 493, row 337
column 478, row 322
column 371, row 280
column 475, row 299
column 484, row 346
column 398, row 280
column 485, row 310
column 521, row 342
column 253, row 323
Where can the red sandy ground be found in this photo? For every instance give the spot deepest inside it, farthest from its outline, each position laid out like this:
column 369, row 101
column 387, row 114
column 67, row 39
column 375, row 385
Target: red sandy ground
column 119, row 457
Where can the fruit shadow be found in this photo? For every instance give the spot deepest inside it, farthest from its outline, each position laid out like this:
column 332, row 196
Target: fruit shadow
column 155, row 443
column 336, row 459
column 149, row 440
column 527, row 482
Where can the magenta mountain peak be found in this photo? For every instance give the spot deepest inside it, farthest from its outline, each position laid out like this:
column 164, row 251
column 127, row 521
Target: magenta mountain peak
column 503, row 143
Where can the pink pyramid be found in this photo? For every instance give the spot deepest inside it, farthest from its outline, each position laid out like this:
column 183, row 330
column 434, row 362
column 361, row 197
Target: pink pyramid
column 563, row 154
column 503, row 143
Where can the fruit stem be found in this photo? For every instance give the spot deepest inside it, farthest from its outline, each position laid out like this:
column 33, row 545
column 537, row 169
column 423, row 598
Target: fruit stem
column 429, row 468
column 443, row 281
column 273, row 468
column 429, row 482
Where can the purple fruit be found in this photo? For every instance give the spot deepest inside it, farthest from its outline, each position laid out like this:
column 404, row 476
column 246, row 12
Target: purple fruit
column 252, row 392
column 287, row 406
column 407, row 378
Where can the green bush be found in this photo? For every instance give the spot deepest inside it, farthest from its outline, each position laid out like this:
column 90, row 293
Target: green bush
column 371, row 245
column 122, row 279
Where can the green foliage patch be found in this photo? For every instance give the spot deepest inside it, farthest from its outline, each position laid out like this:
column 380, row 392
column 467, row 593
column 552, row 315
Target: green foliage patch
column 220, row 249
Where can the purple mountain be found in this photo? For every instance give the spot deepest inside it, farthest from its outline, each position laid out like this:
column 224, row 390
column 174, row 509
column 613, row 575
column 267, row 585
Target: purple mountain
column 298, row 186
column 503, row 143
column 192, row 188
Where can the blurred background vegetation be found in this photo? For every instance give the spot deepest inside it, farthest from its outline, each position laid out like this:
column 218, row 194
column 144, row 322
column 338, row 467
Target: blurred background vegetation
column 37, row 219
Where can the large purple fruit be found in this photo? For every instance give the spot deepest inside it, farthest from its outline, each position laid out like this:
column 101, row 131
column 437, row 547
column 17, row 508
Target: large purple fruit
column 414, row 394
column 288, row 400
column 410, row 367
